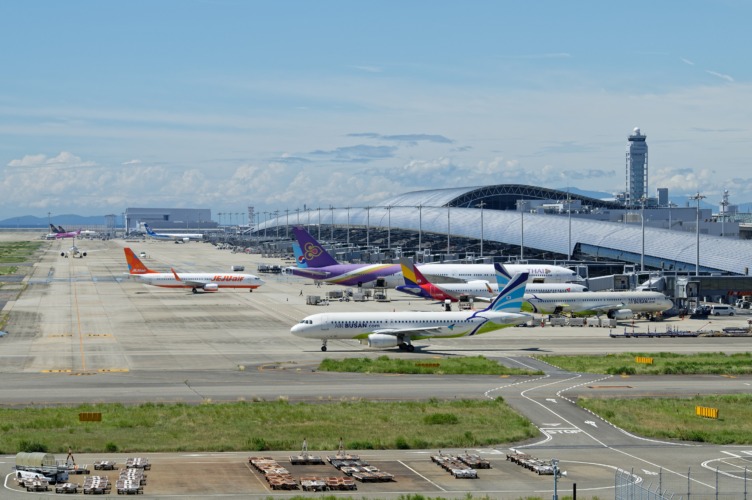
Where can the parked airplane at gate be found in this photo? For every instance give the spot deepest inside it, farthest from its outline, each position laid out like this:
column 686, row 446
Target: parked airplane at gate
column 616, row 305
column 400, row 329
column 208, row 282
column 417, row 284
column 539, row 273
column 321, row 266
column 184, row 237
column 68, row 234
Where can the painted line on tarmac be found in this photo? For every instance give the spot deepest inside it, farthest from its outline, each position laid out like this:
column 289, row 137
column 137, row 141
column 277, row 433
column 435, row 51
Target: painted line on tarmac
column 419, row 474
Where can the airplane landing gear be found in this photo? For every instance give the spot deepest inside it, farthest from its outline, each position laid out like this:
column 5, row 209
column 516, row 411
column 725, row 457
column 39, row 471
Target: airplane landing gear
column 194, row 290
column 404, row 346
column 323, row 346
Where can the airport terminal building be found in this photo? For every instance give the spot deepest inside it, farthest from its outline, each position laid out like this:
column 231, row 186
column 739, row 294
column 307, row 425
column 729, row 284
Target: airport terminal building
column 159, row 219
column 544, row 223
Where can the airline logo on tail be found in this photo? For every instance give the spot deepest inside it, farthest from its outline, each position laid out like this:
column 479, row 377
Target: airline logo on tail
column 511, row 297
column 300, row 259
column 135, row 266
column 313, row 252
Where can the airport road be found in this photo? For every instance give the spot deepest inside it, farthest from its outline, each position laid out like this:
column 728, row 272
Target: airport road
column 137, row 343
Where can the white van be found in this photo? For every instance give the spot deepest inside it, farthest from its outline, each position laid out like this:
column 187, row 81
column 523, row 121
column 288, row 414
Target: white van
column 721, row 310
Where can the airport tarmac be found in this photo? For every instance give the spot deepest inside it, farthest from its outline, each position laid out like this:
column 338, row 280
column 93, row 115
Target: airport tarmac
column 141, row 343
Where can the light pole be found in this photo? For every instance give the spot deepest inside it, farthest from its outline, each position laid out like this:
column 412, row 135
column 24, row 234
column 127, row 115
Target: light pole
column 348, row 227
column 331, row 238
column 449, row 230
column 522, row 204
column 642, row 220
column 569, row 223
column 287, row 220
column 420, row 228
column 319, row 223
column 368, row 227
column 555, row 463
column 276, row 221
column 697, row 197
column 724, row 204
column 265, row 224
column 481, row 205
column 389, row 229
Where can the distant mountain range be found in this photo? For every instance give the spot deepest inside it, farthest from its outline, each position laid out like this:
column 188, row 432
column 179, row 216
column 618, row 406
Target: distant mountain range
column 68, row 221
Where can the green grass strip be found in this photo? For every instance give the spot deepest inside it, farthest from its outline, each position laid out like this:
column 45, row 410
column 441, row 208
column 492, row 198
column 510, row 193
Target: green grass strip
column 474, row 365
column 261, row 426
column 675, row 418
column 664, row 363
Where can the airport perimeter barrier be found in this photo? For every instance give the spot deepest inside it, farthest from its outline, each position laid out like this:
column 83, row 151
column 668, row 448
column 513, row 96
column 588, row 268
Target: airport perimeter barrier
column 718, row 484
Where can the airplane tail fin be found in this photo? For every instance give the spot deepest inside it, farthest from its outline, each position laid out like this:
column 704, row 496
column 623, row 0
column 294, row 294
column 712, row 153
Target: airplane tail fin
column 502, row 275
column 300, row 260
column 60, row 229
column 148, row 229
column 54, row 229
column 512, row 296
column 409, row 272
column 313, row 252
column 135, row 266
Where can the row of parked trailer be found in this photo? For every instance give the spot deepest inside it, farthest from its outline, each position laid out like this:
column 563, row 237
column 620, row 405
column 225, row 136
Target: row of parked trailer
column 461, row 466
column 541, row 467
column 279, row 477
column 131, row 479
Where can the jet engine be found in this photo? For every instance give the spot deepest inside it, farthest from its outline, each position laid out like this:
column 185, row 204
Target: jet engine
column 211, row 287
column 380, row 341
column 620, row 314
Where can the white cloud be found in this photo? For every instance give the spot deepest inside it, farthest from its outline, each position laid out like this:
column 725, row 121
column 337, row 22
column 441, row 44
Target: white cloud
column 728, row 78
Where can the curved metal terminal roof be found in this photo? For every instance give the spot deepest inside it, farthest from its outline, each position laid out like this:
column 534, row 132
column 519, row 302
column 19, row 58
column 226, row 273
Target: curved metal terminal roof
column 550, row 233
column 454, row 210
column 498, row 197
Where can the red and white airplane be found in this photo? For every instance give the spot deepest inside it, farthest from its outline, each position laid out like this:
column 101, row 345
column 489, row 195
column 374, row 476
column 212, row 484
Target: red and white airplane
column 208, row 282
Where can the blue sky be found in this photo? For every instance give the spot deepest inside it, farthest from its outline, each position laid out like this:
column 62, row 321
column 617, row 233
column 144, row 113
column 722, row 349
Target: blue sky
column 225, row 104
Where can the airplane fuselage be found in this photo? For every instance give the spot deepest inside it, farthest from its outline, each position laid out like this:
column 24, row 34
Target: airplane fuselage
column 538, row 273
column 489, row 290
column 599, row 301
column 359, row 325
column 168, row 280
column 352, row 274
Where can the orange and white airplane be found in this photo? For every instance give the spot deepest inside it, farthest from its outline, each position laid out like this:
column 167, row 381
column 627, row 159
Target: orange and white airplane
column 208, row 282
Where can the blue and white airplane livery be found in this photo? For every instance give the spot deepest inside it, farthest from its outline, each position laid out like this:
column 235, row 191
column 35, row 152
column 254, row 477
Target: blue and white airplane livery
column 400, row 329
column 177, row 237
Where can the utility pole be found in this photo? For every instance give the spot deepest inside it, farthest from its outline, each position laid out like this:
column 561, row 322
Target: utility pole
column 697, row 198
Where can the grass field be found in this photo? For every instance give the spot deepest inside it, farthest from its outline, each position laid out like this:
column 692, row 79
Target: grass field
column 16, row 251
column 675, row 418
column 664, row 363
column 261, row 426
column 472, row 365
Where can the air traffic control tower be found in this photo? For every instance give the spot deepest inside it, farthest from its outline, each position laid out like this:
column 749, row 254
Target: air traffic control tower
column 637, row 168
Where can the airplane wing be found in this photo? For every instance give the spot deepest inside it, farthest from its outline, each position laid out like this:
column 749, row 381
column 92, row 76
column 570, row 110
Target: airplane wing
column 607, row 307
column 313, row 272
column 595, row 308
column 411, row 332
column 195, row 284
